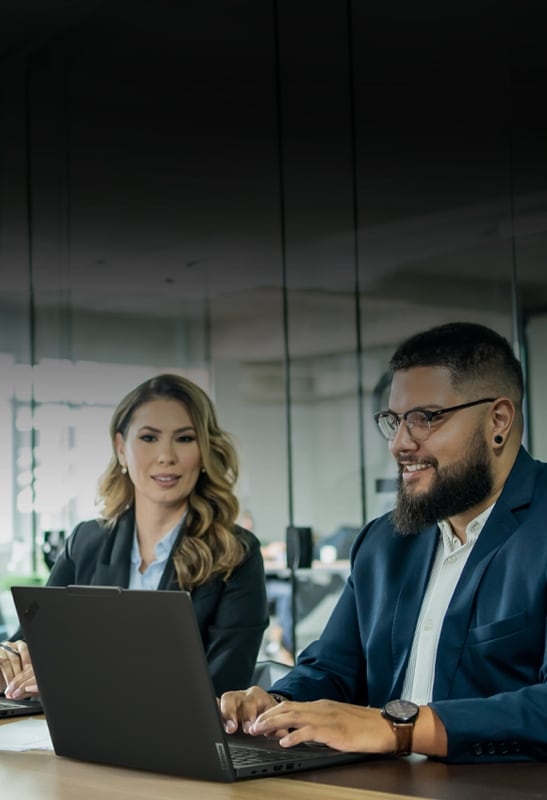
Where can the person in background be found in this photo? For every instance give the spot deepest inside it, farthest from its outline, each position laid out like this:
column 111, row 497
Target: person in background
column 278, row 644
column 438, row 642
column 168, row 522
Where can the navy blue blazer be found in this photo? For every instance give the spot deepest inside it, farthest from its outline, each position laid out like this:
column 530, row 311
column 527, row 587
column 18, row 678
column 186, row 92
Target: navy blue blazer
column 490, row 687
column 232, row 615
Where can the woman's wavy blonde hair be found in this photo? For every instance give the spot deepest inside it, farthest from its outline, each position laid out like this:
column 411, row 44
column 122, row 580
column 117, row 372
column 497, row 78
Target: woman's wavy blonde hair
column 209, row 545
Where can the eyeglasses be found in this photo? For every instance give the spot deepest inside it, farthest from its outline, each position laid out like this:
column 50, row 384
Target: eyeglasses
column 418, row 420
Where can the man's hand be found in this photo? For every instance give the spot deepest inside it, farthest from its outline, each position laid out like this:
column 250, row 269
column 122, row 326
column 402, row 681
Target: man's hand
column 342, row 726
column 17, row 679
column 346, row 727
column 243, row 707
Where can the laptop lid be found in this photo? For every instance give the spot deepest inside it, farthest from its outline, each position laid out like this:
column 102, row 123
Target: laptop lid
column 124, row 680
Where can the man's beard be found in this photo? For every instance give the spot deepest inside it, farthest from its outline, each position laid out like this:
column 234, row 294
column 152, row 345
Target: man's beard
column 456, row 489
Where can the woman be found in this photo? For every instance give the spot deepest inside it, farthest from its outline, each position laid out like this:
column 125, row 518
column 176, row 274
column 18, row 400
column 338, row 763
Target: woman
column 168, row 514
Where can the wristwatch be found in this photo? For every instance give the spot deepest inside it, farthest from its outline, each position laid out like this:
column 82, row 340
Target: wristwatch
column 402, row 714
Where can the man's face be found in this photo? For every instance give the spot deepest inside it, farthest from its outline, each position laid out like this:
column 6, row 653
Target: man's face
column 448, row 473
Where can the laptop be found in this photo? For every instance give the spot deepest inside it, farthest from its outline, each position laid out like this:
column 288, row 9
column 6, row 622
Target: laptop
column 124, row 681
column 19, row 708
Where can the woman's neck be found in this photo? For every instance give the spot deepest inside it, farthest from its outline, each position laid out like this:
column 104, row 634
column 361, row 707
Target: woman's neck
column 153, row 522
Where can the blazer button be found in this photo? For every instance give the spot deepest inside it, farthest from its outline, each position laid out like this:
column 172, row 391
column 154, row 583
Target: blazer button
column 515, row 747
column 491, row 749
column 503, row 749
column 477, row 748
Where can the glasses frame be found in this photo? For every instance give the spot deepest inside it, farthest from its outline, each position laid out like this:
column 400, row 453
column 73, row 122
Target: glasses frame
column 429, row 416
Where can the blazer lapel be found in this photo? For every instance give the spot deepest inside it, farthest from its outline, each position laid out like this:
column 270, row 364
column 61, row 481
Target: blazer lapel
column 418, row 557
column 115, row 557
column 168, row 579
column 501, row 524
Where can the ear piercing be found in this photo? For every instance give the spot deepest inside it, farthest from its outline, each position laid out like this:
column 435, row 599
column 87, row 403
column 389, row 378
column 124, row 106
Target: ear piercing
column 498, row 439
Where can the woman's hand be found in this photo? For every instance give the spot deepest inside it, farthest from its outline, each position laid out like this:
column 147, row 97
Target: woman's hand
column 16, row 672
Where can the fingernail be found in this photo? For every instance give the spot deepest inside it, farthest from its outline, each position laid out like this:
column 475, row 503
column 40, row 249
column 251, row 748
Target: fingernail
column 230, row 726
column 247, row 727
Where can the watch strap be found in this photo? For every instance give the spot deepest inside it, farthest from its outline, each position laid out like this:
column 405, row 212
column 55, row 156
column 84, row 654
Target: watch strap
column 403, row 732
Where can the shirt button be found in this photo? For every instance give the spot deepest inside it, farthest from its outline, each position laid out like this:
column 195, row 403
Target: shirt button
column 428, row 624
column 451, row 559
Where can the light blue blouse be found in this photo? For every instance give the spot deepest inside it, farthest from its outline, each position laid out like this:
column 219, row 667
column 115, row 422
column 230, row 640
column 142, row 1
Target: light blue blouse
column 150, row 578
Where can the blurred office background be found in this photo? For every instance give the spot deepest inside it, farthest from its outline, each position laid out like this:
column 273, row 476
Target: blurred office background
column 266, row 196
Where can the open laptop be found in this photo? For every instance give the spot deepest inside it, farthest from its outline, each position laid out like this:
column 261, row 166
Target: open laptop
column 124, row 680
column 19, row 708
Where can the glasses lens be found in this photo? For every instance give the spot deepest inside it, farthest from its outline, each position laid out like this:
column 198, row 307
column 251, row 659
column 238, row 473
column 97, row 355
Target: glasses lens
column 388, row 424
column 418, row 425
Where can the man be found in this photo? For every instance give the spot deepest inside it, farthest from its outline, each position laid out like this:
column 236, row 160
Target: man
column 444, row 611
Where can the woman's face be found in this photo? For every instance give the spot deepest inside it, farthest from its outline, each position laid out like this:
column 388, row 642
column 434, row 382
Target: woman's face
column 161, row 453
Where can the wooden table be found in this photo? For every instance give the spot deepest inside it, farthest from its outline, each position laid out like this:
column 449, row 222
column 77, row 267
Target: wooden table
column 40, row 775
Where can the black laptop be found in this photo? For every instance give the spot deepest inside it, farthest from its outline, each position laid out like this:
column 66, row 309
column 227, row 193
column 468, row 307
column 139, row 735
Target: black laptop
column 124, row 680
column 19, row 708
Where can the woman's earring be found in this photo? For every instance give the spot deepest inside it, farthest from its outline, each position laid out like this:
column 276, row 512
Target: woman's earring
column 124, row 470
column 204, row 471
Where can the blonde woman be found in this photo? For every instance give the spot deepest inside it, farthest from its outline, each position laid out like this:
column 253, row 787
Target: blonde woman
column 168, row 522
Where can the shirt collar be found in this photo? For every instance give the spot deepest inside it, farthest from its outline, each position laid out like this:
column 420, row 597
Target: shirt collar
column 163, row 547
column 472, row 530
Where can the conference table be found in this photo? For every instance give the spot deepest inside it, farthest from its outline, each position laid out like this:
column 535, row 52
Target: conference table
column 41, row 775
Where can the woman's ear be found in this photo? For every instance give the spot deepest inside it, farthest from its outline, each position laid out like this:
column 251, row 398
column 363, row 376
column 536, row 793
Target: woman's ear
column 119, row 444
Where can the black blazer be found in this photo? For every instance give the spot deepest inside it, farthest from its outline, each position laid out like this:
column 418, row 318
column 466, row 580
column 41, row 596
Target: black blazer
column 232, row 615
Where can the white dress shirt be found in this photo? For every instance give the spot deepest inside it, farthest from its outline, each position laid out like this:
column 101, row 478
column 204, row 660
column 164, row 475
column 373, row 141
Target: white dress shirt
column 447, row 568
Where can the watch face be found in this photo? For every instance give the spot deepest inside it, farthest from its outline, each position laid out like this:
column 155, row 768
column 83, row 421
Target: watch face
column 401, row 710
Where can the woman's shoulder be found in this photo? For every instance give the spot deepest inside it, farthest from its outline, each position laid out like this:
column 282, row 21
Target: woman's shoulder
column 87, row 535
column 246, row 536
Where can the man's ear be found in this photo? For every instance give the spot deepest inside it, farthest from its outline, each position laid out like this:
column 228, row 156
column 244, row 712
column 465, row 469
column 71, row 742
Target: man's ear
column 503, row 416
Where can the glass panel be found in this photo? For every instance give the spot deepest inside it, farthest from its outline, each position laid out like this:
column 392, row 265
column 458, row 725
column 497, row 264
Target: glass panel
column 170, row 179
column 433, row 191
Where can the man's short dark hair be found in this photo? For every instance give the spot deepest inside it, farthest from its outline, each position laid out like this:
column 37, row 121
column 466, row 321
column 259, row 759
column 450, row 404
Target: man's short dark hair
column 471, row 352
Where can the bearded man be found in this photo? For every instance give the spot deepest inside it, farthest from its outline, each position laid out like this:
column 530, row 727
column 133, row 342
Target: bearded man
column 438, row 642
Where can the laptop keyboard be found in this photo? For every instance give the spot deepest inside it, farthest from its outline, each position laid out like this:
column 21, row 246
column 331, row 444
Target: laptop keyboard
column 243, row 756
column 11, row 704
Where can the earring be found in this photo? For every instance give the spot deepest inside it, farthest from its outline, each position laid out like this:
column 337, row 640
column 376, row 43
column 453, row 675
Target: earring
column 498, row 439
column 124, row 470
column 204, row 471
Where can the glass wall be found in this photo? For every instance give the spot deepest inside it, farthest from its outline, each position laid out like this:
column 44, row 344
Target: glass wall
column 266, row 197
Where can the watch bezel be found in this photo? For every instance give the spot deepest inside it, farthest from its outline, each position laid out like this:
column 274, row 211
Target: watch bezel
column 402, row 712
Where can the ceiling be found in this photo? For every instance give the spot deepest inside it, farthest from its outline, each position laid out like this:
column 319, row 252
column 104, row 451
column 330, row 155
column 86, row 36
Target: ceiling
column 175, row 161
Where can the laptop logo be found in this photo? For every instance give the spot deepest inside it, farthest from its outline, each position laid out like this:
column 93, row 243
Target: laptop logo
column 31, row 611
column 222, row 757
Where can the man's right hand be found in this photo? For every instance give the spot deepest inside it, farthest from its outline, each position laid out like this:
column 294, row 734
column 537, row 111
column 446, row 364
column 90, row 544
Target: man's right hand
column 243, row 707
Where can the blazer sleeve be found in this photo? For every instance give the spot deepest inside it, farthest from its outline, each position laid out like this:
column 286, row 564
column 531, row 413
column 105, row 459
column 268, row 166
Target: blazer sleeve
column 335, row 665
column 509, row 726
column 233, row 632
